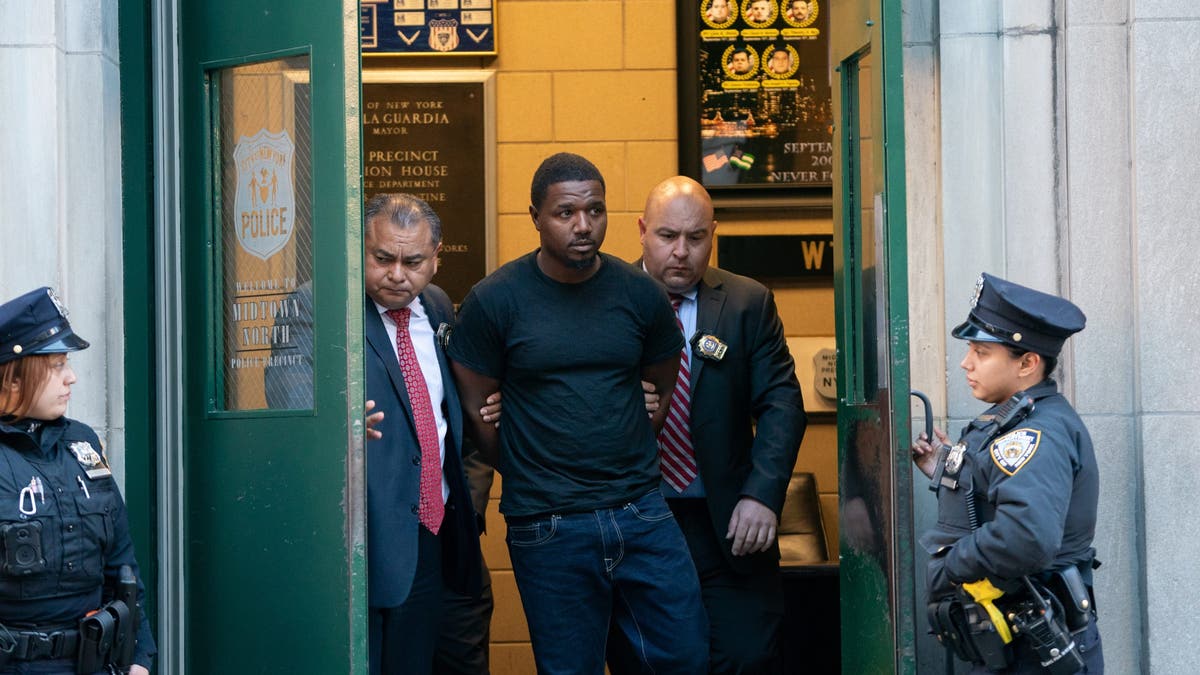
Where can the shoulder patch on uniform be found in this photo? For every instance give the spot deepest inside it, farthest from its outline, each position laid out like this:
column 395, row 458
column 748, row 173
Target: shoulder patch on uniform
column 1011, row 451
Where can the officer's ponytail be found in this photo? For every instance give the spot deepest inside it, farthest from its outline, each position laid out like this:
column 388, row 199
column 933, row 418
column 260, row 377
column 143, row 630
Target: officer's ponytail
column 21, row 382
column 1051, row 362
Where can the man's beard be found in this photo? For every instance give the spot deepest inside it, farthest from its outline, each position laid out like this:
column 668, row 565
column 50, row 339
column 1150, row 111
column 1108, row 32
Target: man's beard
column 582, row 264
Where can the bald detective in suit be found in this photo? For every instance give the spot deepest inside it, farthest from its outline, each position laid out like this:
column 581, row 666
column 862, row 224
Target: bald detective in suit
column 412, row 557
column 746, row 421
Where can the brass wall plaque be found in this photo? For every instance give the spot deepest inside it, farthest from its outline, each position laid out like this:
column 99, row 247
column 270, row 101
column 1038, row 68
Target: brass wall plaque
column 432, row 134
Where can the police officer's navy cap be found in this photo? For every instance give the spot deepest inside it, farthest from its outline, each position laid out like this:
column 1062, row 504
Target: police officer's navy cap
column 1016, row 315
column 36, row 323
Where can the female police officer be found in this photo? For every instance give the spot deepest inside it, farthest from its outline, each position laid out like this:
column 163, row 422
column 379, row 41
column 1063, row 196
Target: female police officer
column 65, row 551
column 1011, row 556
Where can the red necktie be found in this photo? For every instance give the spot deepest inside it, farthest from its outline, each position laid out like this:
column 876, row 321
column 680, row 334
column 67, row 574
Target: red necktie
column 676, row 456
column 432, row 508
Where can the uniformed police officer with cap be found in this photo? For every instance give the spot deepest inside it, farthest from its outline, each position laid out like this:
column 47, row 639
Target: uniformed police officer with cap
column 1011, row 563
column 69, row 595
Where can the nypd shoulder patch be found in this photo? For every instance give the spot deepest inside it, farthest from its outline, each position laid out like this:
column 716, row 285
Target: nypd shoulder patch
column 1013, row 450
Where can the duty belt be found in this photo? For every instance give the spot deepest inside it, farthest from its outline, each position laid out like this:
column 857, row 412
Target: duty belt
column 35, row 645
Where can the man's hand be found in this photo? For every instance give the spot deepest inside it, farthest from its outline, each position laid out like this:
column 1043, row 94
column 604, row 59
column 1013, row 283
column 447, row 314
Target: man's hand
column 925, row 454
column 752, row 527
column 662, row 376
column 490, row 412
column 135, row 669
column 651, row 397
column 373, row 419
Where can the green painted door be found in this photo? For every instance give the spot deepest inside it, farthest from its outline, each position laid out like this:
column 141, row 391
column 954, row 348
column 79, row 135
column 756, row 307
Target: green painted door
column 273, row 545
column 871, row 298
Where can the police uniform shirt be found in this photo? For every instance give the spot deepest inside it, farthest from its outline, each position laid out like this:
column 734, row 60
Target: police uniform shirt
column 1037, row 488
column 425, row 347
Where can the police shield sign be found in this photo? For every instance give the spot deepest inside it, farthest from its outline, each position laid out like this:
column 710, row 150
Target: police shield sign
column 443, row 35
column 265, row 202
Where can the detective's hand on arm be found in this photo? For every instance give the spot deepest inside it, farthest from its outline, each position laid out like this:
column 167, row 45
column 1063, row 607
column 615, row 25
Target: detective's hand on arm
column 925, row 454
column 652, row 398
column 752, row 527
column 661, row 376
column 373, row 420
column 491, row 412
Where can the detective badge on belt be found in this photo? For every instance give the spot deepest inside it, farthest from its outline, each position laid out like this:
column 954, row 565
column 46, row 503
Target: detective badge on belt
column 708, row 346
column 92, row 461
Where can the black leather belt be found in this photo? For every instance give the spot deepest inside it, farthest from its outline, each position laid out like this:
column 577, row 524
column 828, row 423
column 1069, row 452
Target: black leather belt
column 35, row 645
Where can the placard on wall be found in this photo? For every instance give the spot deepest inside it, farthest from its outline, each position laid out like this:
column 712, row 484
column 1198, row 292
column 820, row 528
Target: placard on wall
column 755, row 104
column 778, row 259
column 427, row 27
column 432, row 134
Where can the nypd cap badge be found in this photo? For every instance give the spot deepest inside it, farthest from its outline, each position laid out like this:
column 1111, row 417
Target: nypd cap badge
column 977, row 292
column 62, row 309
column 1013, row 450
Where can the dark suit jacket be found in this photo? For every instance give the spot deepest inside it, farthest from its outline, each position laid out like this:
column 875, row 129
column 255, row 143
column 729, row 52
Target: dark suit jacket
column 747, row 412
column 394, row 473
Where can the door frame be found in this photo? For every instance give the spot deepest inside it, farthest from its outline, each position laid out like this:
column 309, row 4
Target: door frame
column 149, row 68
column 150, row 140
column 155, row 485
column 875, row 27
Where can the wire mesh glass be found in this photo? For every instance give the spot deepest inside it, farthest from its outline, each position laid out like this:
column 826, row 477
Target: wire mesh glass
column 263, row 139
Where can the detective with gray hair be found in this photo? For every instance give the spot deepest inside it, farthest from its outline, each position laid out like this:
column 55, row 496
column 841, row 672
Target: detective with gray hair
column 422, row 535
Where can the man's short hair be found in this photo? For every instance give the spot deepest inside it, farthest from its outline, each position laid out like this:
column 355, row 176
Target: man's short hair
column 404, row 211
column 740, row 50
column 561, row 168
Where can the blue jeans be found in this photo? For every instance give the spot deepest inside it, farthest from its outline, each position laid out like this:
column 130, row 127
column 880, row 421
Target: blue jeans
column 629, row 563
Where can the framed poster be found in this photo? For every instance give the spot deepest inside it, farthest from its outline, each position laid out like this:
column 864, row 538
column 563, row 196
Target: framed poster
column 427, row 27
column 432, row 134
column 755, row 104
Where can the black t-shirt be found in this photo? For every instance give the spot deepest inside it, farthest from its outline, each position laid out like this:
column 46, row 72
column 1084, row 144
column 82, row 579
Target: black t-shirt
column 575, row 435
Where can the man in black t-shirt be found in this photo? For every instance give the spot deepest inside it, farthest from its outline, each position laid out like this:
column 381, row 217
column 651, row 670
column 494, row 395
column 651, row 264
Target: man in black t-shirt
column 567, row 334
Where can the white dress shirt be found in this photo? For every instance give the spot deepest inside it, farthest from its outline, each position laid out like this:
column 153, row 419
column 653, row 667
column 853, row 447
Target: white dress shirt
column 424, row 346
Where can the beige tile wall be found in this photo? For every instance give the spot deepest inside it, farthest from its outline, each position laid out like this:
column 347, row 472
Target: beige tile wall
column 597, row 77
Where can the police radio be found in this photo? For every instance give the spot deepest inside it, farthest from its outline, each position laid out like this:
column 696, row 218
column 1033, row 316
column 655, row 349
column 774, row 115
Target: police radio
column 1040, row 620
